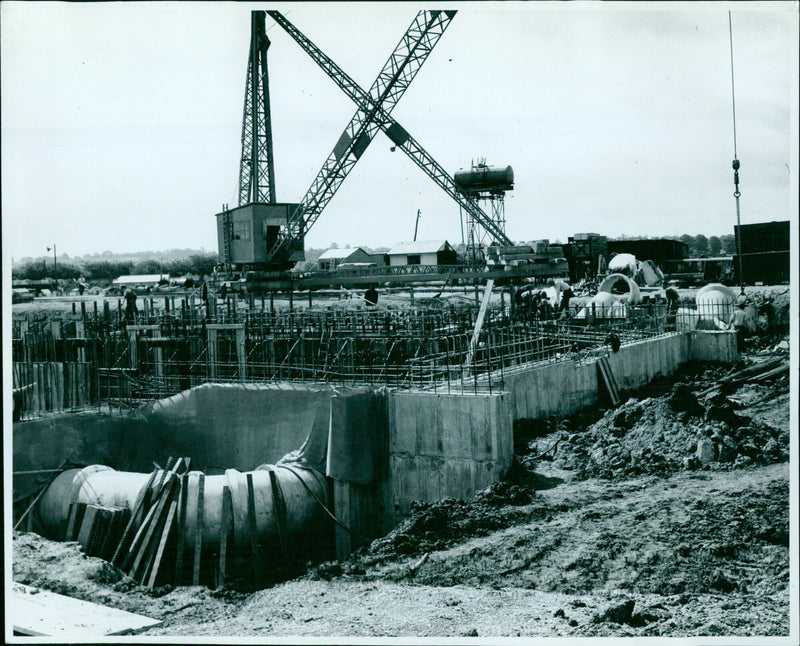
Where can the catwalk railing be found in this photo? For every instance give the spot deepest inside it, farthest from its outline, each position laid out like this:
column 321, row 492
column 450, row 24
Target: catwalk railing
column 155, row 354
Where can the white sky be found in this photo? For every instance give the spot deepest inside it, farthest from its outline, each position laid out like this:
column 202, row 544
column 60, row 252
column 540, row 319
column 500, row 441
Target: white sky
column 121, row 123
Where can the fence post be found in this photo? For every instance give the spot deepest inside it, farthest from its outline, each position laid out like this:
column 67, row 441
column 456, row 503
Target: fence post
column 241, row 352
column 132, row 336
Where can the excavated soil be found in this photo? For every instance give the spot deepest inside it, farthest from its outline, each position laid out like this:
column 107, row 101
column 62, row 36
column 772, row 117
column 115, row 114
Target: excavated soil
column 665, row 516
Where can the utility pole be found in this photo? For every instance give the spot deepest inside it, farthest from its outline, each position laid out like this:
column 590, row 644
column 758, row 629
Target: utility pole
column 55, row 261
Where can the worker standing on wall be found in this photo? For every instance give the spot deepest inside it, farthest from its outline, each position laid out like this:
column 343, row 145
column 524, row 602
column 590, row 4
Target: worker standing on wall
column 204, row 296
column 739, row 323
column 673, row 300
column 130, row 305
column 566, row 296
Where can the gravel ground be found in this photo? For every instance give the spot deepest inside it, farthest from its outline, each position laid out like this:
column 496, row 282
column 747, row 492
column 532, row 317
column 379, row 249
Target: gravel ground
column 638, row 557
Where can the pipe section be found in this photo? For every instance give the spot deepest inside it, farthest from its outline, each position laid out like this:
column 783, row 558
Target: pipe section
column 622, row 286
column 301, row 491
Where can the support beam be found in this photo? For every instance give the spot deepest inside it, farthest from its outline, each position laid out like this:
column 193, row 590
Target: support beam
column 476, row 333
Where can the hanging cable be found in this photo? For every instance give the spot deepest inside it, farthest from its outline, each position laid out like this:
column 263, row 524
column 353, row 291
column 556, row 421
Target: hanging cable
column 735, row 164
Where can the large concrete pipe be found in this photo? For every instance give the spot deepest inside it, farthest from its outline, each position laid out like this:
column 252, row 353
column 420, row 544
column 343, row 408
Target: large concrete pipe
column 604, row 305
column 623, row 262
column 622, row 286
column 715, row 304
column 301, row 490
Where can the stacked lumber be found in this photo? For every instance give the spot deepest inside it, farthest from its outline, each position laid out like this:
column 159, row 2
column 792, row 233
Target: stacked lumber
column 99, row 528
column 152, row 523
column 756, row 373
column 540, row 252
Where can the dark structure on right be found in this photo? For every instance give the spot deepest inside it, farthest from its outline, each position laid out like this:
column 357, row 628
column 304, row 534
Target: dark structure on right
column 765, row 253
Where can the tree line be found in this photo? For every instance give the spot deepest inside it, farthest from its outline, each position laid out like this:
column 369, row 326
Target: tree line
column 701, row 245
column 106, row 267
column 199, row 264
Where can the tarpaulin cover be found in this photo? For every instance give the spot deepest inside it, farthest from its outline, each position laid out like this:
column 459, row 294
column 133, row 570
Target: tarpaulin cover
column 357, row 444
column 219, row 426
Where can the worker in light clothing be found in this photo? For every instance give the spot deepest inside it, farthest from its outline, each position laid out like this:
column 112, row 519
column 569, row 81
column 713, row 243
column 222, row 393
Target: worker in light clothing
column 739, row 323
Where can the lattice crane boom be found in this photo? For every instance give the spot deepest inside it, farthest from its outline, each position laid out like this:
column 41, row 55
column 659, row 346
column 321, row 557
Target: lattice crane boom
column 396, row 133
column 256, row 169
column 390, row 84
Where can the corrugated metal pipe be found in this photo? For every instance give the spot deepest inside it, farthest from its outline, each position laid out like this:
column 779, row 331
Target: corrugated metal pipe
column 300, row 491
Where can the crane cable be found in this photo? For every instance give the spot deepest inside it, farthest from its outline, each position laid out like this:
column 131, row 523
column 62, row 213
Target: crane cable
column 735, row 164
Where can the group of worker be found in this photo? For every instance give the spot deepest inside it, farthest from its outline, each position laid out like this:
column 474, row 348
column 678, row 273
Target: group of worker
column 131, row 308
column 739, row 320
column 539, row 305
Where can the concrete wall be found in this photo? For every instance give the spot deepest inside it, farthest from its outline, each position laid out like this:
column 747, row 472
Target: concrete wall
column 223, row 426
column 713, row 346
column 564, row 387
column 217, row 426
column 638, row 363
column 553, row 389
column 444, row 446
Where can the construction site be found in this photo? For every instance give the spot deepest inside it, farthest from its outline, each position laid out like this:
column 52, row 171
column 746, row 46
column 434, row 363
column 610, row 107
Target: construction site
column 518, row 440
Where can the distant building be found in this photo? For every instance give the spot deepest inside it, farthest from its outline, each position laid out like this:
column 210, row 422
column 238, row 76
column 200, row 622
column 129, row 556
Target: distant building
column 656, row 249
column 432, row 252
column 139, row 281
column 583, row 252
column 332, row 258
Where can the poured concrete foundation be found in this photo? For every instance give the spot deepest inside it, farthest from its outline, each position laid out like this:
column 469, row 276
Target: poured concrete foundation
column 380, row 451
column 444, row 446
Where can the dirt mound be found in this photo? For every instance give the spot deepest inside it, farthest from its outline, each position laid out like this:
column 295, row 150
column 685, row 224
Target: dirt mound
column 663, row 435
column 431, row 527
column 773, row 308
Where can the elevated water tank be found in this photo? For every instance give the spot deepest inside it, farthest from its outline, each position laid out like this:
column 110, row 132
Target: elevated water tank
column 485, row 178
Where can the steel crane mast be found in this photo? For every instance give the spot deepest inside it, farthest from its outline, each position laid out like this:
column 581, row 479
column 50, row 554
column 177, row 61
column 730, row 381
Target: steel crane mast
column 396, row 133
column 256, row 170
column 390, row 84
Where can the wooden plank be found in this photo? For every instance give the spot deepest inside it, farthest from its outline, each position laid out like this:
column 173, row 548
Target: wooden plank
column 163, row 475
column 36, row 391
column 136, row 542
column 58, row 377
column 76, row 511
column 251, row 526
column 153, row 524
column 227, row 512
column 198, row 537
column 487, row 292
column 101, row 531
column 184, row 489
column 67, row 394
column 39, row 612
column 158, row 523
column 118, row 523
column 136, row 507
column 608, row 379
column 162, row 544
